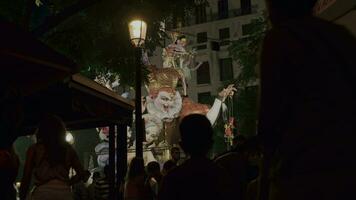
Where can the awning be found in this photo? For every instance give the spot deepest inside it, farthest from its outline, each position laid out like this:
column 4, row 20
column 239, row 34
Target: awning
column 29, row 64
column 80, row 102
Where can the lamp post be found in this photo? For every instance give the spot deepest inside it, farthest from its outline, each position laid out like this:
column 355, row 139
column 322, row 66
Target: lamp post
column 137, row 29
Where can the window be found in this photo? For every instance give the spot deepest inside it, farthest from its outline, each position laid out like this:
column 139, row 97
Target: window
column 203, row 73
column 245, row 7
column 247, row 29
column 200, row 13
column 226, row 70
column 215, row 46
column 204, row 98
column 224, row 34
column 223, row 9
column 202, row 37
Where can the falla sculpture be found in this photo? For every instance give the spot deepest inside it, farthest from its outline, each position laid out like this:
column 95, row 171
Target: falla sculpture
column 167, row 102
column 165, row 105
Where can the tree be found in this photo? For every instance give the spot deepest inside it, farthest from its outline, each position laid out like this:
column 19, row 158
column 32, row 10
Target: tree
column 246, row 52
column 94, row 33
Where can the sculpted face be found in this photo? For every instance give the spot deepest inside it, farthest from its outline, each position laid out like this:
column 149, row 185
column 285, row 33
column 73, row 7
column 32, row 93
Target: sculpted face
column 152, row 134
column 153, row 127
column 164, row 101
column 166, row 106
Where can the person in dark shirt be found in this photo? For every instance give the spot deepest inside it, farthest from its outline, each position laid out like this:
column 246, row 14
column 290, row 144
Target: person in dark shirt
column 241, row 164
column 307, row 105
column 175, row 155
column 154, row 176
column 168, row 166
column 198, row 177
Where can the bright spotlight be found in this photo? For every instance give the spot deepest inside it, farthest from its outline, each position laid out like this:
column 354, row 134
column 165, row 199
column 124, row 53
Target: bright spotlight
column 69, row 138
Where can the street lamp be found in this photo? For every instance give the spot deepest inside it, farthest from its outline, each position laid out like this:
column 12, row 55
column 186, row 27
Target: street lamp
column 138, row 29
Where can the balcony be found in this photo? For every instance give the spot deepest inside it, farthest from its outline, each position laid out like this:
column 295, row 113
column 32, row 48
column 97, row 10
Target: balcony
column 233, row 13
column 191, row 21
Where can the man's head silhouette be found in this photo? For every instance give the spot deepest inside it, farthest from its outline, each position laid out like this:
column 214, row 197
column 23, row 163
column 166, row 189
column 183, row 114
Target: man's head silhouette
column 196, row 135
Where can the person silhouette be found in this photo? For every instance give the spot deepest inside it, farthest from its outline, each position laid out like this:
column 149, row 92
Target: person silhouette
column 307, row 105
column 135, row 185
column 49, row 162
column 198, row 177
column 11, row 117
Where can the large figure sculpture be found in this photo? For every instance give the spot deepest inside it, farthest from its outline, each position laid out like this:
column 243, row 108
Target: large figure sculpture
column 164, row 103
column 164, row 106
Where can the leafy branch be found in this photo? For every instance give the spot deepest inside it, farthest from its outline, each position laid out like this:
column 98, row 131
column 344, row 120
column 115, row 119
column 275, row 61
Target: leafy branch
column 246, row 52
column 94, row 33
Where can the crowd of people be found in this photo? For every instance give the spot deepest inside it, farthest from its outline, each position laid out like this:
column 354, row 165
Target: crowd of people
column 304, row 148
column 232, row 175
column 50, row 159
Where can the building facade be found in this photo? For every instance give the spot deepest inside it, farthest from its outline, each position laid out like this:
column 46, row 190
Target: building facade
column 209, row 31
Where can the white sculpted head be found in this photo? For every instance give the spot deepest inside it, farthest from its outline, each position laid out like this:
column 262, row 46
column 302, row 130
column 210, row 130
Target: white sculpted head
column 153, row 127
column 165, row 106
column 164, row 101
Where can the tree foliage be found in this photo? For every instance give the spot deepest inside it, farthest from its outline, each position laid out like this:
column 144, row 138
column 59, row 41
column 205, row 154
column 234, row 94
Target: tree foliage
column 246, row 51
column 94, row 33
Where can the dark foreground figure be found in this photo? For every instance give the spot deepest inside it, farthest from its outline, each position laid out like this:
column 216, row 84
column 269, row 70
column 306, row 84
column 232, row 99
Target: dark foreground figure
column 198, row 177
column 307, row 116
column 49, row 162
column 11, row 114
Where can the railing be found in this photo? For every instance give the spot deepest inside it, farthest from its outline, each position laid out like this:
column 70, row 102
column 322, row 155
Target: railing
column 233, row 13
column 215, row 16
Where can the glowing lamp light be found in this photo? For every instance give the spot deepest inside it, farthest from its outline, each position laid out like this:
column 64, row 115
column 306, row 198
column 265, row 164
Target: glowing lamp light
column 137, row 29
column 69, row 138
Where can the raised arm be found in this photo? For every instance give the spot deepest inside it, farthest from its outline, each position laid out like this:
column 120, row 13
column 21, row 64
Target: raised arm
column 214, row 111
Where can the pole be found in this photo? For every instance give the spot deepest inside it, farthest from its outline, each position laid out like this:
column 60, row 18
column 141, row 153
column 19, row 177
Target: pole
column 121, row 165
column 112, row 162
column 138, row 109
column 264, row 177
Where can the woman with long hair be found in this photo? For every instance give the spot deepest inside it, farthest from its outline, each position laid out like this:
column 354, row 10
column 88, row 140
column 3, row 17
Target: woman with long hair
column 50, row 161
column 135, row 187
